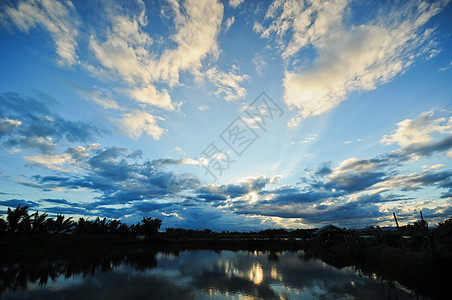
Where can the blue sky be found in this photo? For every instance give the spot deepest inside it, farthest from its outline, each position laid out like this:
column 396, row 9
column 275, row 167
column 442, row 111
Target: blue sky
column 234, row 115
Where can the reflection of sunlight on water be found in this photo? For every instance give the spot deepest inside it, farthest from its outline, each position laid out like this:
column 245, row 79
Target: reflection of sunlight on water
column 229, row 269
column 274, row 274
column 214, row 292
column 170, row 256
column 256, row 274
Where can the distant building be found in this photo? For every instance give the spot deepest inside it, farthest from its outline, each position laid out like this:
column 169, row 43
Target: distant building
column 328, row 233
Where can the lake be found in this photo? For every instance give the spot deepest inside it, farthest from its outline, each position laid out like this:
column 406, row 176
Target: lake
column 192, row 275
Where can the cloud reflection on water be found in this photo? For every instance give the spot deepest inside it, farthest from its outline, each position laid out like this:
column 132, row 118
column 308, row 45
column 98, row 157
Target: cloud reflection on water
column 196, row 275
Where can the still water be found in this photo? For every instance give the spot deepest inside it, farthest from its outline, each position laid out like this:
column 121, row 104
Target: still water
column 192, row 275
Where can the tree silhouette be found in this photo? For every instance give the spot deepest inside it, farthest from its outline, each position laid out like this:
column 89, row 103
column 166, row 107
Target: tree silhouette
column 447, row 222
column 39, row 223
column 3, row 225
column 117, row 227
column 61, row 225
column 99, row 226
column 148, row 225
column 18, row 219
column 82, row 226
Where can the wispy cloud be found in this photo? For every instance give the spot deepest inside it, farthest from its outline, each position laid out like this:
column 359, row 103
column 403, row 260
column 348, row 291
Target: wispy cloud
column 100, row 96
column 350, row 57
column 227, row 84
column 128, row 49
column 228, row 23
column 446, row 67
column 125, row 52
column 260, row 63
column 235, row 3
column 58, row 18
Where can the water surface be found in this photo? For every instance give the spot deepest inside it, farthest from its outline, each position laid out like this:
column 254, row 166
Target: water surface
column 193, row 275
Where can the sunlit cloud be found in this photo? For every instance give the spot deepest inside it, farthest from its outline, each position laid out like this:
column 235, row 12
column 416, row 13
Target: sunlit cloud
column 350, row 58
column 137, row 122
column 417, row 136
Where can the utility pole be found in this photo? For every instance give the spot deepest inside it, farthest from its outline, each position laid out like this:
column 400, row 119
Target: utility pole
column 422, row 220
column 395, row 218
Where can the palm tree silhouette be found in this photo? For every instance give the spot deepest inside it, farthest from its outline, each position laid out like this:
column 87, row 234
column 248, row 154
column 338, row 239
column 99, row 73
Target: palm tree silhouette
column 61, row 225
column 117, row 227
column 39, row 222
column 64, row 226
column 82, row 226
column 18, row 220
column 148, row 225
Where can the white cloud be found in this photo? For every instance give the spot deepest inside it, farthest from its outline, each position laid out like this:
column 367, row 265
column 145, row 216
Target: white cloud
column 128, row 52
column 53, row 16
column 181, row 161
column 260, row 63
column 350, row 58
column 228, row 23
column 174, row 214
column 203, row 107
column 357, row 140
column 227, row 84
column 150, row 95
column 252, row 122
column 446, row 67
column 137, row 122
column 235, row 3
column 419, row 131
column 309, row 139
column 125, row 51
column 52, row 161
column 258, row 28
column 8, row 125
column 309, row 24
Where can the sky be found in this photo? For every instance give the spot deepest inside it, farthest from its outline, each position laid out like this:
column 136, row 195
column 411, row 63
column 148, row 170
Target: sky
column 234, row 115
